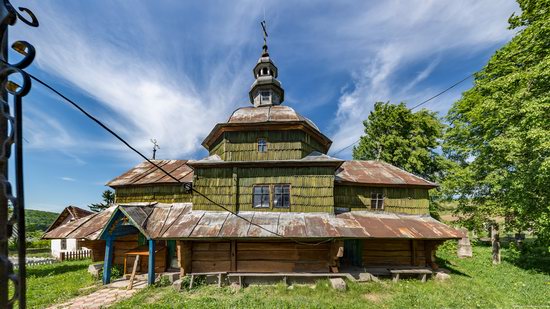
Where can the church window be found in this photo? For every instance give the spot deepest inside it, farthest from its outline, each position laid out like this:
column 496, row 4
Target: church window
column 281, row 196
column 266, row 96
column 261, row 196
column 377, row 201
column 262, row 145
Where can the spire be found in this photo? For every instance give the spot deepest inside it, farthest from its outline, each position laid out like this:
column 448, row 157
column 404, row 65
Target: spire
column 266, row 89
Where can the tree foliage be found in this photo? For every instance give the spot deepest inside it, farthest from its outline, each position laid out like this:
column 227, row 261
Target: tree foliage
column 108, row 200
column 499, row 131
column 409, row 140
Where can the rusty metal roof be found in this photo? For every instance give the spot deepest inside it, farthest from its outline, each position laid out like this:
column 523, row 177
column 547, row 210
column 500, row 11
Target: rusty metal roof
column 145, row 173
column 179, row 221
column 378, row 173
column 74, row 212
column 83, row 228
column 261, row 114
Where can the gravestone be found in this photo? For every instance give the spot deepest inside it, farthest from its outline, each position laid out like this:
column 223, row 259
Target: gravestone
column 464, row 248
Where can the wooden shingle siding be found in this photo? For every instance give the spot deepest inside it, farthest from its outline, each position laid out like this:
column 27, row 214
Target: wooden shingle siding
column 400, row 200
column 281, row 145
column 166, row 193
column 217, row 185
column 385, row 252
column 311, row 188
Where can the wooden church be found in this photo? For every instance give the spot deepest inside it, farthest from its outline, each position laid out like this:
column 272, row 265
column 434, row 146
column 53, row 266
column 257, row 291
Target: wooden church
column 267, row 200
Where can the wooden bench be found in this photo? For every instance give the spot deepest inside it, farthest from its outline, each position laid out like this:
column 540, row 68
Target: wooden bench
column 219, row 274
column 284, row 276
column 421, row 272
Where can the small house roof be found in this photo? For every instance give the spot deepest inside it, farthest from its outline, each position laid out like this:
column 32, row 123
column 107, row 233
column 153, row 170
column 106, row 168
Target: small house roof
column 179, row 221
column 72, row 212
column 378, row 173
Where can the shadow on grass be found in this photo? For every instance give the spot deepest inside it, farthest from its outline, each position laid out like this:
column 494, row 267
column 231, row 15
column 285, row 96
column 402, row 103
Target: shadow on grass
column 531, row 257
column 54, row 269
column 445, row 264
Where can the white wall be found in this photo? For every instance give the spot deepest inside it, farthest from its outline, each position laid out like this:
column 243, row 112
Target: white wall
column 72, row 245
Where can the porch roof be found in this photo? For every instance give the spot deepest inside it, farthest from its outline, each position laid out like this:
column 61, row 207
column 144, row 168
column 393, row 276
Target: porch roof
column 179, row 221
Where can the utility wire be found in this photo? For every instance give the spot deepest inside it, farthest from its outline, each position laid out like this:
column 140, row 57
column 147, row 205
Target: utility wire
column 104, row 126
column 417, row 105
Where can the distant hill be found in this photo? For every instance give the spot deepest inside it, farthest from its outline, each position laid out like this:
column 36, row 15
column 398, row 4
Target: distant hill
column 38, row 220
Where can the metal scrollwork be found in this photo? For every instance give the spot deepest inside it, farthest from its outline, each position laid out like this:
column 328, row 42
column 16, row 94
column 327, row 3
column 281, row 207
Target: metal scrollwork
column 11, row 130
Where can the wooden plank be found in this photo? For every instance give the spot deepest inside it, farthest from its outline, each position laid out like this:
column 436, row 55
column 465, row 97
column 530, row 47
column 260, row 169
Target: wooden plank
column 211, row 266
column 211, row 255
column 281, row 266
column 211, row 246
column 296, row 255
column 136, row 263
column 387, row 253
column 233, row 255
column 279, row 246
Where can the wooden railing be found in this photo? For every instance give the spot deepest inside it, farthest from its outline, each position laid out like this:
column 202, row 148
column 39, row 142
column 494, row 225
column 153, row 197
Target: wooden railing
column 75, row 255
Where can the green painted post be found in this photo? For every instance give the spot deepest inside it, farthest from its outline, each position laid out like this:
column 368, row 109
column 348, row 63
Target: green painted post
column 151, row 264
column 108, row 261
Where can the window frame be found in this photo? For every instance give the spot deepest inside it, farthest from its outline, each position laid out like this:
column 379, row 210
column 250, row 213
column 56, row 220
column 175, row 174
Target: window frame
column 261, row 196
column 287, row 185
column 63, row 244
column 272, row 196
column 265, row 146
column 377, row 201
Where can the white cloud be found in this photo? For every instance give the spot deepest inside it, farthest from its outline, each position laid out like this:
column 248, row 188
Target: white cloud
column 393, row 37
column 142, row 97
column 68, row 179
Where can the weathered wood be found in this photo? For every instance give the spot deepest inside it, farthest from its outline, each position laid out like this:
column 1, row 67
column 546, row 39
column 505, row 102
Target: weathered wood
column 233, row 255
column 211, row 266
column 282, row 266
column 495, row 243
column 294, row 255
column 413, row 252
column 134, row 269
column 211, row 246
column 278, row 246
column 211, row 255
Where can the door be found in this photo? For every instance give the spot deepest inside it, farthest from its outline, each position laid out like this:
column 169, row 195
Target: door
column 353, row 253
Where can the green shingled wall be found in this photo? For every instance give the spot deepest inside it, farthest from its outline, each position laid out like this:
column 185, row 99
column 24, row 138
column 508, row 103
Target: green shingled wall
column 399, row 200
column 162, row 193
column 282, row 145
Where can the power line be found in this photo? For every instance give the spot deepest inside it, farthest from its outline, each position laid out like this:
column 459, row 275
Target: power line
column 417, row 105
column 101, row 124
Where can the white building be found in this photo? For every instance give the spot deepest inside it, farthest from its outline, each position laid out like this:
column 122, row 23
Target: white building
column 68, row 214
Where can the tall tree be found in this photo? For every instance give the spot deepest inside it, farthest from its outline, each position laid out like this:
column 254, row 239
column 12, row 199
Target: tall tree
column 108, row 200
column 409, row 140
column 500, row 130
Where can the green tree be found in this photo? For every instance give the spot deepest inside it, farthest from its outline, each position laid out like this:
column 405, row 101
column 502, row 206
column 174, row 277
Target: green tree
column 409, row 140
column 499, row 133
column 108, row 200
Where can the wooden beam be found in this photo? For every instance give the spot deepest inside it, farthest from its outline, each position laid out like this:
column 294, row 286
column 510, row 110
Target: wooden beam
column 151, row 264
column 233, row 255
column 136, row 263
column 108, row 261
column 413, row 252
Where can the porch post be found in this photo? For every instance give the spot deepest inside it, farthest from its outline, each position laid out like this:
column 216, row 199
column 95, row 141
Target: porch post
column 151, row 264
column 108, row 261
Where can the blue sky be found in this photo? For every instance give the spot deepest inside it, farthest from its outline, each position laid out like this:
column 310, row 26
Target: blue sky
column 171, row 70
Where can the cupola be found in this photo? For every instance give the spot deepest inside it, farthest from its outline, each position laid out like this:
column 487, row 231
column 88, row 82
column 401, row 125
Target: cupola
column 266, row 89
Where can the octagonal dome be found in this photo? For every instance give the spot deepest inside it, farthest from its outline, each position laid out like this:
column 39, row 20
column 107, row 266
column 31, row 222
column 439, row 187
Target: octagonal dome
column 262, row 114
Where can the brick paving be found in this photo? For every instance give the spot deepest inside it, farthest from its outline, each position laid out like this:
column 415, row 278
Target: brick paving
column 102, row 298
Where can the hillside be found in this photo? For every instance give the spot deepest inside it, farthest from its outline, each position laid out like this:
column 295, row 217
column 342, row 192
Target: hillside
column 38, row 220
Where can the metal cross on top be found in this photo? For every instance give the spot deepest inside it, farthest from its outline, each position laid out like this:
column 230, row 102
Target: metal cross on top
column 264, row 28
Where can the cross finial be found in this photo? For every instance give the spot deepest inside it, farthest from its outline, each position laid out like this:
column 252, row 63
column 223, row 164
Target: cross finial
column 264, row 28
column 155, row 147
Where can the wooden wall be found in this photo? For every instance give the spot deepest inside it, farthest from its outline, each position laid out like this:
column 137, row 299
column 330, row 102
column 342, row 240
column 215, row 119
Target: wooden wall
column 311, row 187
column 165, row 193
column 251, row 256
column 282, row 145
column 382, row 252
column 400, row 200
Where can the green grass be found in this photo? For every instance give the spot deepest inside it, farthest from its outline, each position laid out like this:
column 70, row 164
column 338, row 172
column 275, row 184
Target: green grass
column 475, row 283
column 56, row 283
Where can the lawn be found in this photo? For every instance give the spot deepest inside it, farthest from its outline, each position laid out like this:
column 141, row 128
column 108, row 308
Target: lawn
column 474, row 283
column 55, row 283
